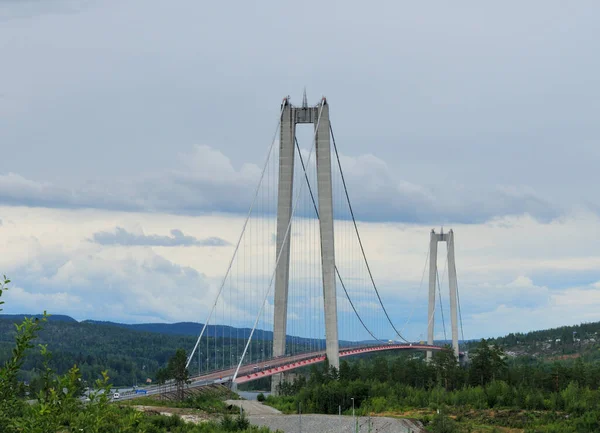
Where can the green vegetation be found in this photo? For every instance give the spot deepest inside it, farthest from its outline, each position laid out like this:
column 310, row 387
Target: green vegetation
column 207, row 399
column 564, row 342
column 531, row 396
column 59, row 407
column 129, row 356
column 178, row 371
column 540, row 382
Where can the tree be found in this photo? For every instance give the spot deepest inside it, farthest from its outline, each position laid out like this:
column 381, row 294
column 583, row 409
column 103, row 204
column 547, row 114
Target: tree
column 162, row 375
column 344, row 370
column 11, row 406
column 446, row 367
column 179, row 372
column 487, row 363
column 442, row 423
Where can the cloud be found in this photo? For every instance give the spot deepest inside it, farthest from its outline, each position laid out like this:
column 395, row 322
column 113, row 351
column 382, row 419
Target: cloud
column 16, row 190
column 568, row 307
column 514, row 264
column 112, row 283
column 207, row 181
column 177, row 239
column 37, row 302
column 26, row 9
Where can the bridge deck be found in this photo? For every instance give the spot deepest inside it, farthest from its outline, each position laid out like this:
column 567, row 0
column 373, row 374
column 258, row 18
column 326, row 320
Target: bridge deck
column 273, row 366
column 252, row 373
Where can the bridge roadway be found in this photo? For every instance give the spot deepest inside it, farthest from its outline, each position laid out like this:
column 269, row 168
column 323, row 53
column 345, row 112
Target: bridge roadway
column 273, row 366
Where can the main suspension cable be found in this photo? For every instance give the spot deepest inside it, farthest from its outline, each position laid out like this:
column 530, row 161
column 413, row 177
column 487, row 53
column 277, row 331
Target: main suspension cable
column 462, row 332
column 359, row 238
column 419, row 291
column 335, row 266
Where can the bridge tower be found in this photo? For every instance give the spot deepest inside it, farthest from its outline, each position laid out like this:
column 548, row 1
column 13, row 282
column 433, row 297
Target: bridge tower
column 318, row 116
column 433, row 243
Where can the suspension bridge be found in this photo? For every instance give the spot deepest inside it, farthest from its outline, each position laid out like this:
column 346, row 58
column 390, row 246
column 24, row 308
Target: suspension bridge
column 299, row 288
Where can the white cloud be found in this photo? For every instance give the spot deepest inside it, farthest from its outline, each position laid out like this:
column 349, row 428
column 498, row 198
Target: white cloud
column 37, row 302
column 567, row 307
column 510, row 265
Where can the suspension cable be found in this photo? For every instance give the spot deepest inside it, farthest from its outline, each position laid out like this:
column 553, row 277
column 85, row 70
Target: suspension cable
column 237, row 246
column 335, row 266
column 441, row 305
column 419, row 291
column 359, row 238
column 279, row 254
column 459, row 312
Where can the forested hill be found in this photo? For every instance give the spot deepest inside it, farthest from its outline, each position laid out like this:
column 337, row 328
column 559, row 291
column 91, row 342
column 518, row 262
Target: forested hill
column 181, row 328
column 130, row 356
column 18, row 318
column 132, row 353
column 188, row 328
column 565, row 340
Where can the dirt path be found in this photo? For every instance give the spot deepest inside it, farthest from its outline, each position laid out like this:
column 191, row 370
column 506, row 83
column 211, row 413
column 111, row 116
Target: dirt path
column 252, row 407
column 189, row 415
column 334, row 424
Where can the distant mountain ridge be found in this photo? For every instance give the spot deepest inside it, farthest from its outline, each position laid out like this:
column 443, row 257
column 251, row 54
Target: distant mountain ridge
column 179, row 328
column 186, row 329
column 52, row 318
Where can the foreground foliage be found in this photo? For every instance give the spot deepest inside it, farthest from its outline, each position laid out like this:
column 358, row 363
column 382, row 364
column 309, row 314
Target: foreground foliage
column 58, row 406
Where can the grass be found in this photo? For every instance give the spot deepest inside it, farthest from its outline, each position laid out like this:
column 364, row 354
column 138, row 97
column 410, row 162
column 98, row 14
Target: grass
column 208, row 399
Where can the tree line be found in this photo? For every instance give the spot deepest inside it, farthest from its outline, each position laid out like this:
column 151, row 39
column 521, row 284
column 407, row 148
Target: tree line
column 539, row 396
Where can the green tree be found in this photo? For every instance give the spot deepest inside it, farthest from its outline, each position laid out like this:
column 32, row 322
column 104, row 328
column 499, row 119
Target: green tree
column 11, row 406
column 446, row 367
column 179, row 372
column 487, row 364
column 162, row 375
column 442, row 423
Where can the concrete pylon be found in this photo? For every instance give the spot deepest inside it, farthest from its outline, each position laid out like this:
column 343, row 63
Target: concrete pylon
column 290, row 117
column 432, row 280
column 453, row 292
column 433, row 241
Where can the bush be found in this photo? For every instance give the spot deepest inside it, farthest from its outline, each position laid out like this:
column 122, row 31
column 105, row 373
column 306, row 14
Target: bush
column 443, row 424
column 260, row 397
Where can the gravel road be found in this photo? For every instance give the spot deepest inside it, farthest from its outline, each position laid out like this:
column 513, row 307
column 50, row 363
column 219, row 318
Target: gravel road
column 253, row 407
column 333, row 424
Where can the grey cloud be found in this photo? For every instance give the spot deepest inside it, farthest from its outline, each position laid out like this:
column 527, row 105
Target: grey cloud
column 177, row 239
column 19, row 191
column 25, row 9
column 459, row 109
column 210, row 183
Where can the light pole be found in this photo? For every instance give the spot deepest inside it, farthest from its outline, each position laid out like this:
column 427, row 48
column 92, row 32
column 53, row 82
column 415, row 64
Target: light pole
column 300, row 416
column 353, row 417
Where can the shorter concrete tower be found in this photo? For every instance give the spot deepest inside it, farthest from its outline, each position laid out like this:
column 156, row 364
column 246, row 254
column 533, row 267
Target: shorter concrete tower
column 433, row 243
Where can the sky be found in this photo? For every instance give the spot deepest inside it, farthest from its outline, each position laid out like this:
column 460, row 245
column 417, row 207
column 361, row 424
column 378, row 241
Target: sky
column 133, row 134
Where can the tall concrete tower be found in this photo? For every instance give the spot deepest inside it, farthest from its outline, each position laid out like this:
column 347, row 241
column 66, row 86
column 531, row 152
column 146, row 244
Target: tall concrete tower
column 319, row 117
column 433, row 243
